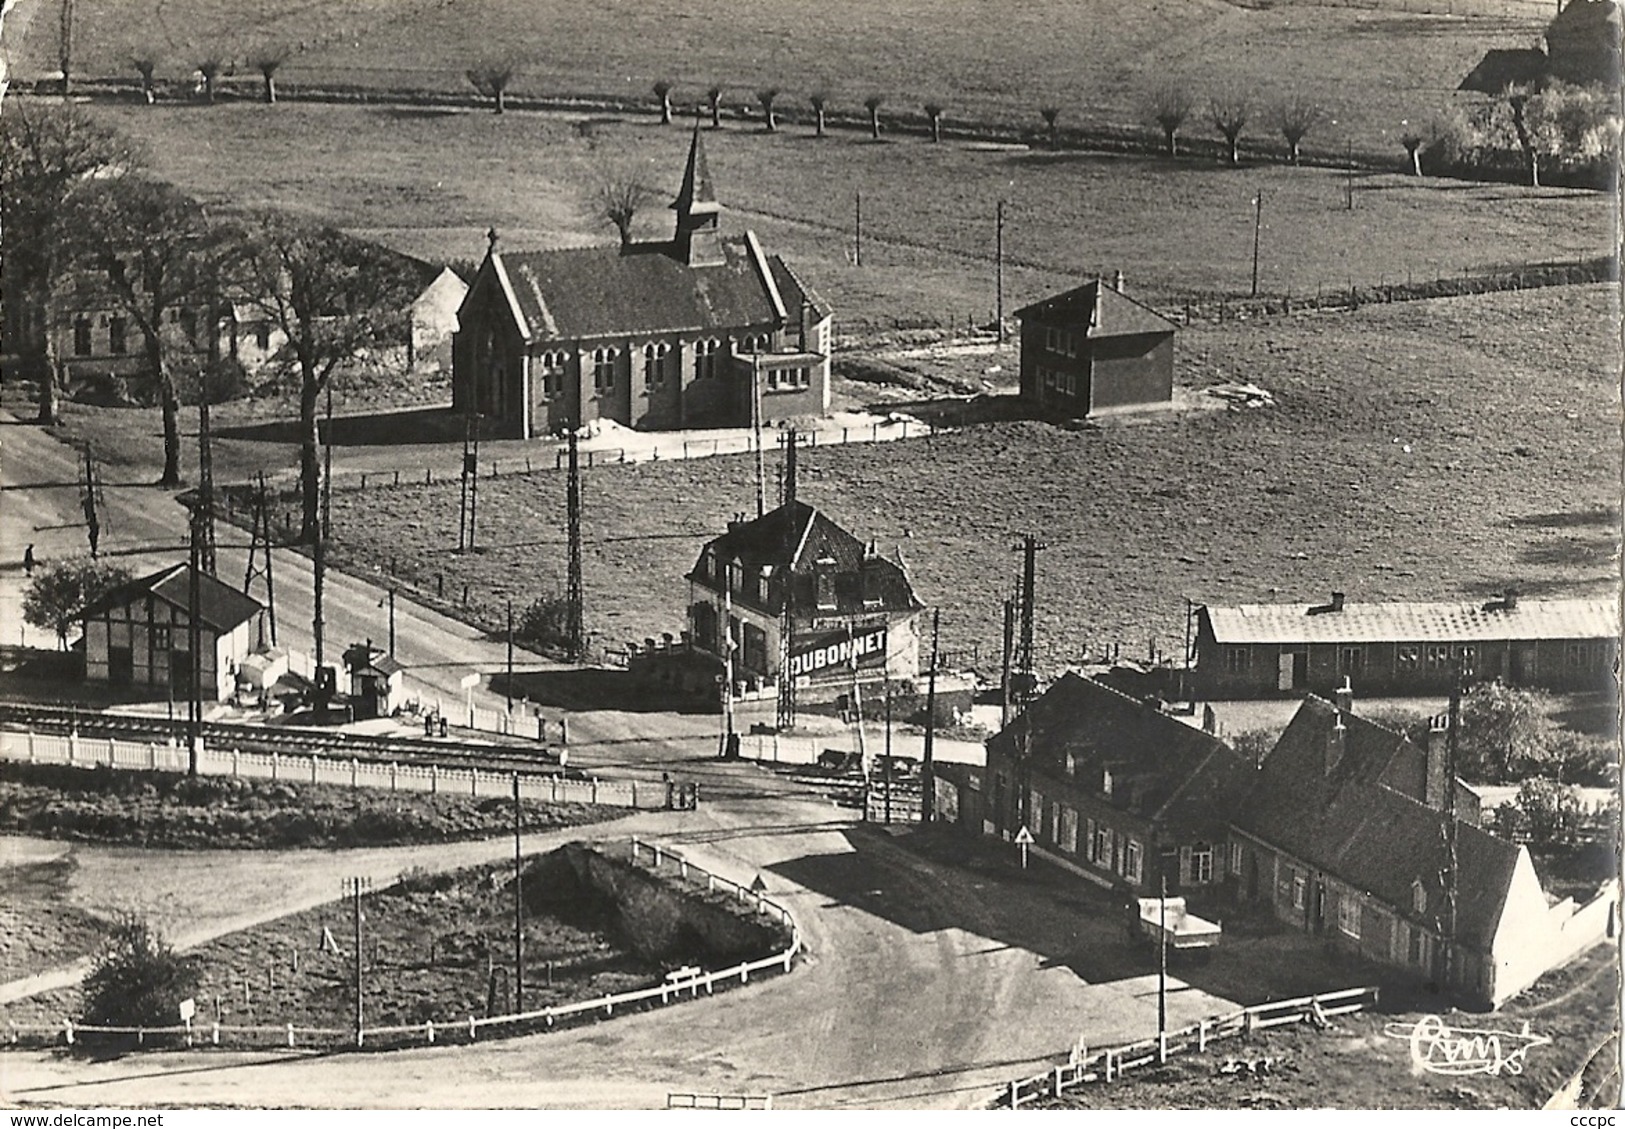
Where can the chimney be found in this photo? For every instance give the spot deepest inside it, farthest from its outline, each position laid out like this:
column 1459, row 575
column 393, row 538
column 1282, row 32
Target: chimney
column 1117, row 281
column 1334, row 744
column 1434, row 751
column 1509, row 600
column 1337, row 601
column 1344, row 697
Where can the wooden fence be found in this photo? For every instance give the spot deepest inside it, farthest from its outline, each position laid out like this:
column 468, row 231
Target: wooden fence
column 1104, row 1065
column 88, row 752
column 687, row 982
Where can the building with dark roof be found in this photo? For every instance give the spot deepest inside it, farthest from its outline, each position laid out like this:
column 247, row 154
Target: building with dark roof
column 852, row 613
column 1582, row 47
column 1113, row 787
column 1343, row 838
column 138, row 633
column 1094, row 350
column 1257, row 650
column 680, row 333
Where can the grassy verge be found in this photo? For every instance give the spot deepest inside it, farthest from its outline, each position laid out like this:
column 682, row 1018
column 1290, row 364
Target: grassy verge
column 157, row 809
column 39, row 927
column 1358, row 1064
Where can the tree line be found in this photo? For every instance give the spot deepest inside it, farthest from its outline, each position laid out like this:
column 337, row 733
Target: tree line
column 77, row 203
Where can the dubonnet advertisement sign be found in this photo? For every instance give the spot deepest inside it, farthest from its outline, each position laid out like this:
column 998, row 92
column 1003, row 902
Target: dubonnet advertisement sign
column 831, row 657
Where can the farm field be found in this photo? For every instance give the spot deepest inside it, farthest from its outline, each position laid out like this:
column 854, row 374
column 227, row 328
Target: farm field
column 1422, row 450
column 1373, row 67
column 430, row 182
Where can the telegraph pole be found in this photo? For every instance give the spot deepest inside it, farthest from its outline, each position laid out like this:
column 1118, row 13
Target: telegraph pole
column 786, row 718
column 259, row 541
column 1451, row 752
column 194, row 645
column 508, row 689
column 998, row 267
column 1258, row 224
column 1030, row 547
column 1006, row 686
column 205, row 483
column 725, row 630
column 887, row 769
column 857, row 228
column 392, row 621
column 65, row 45
column 928, row 772
column 1348, row 190
column 756, row 431
column 1162, row 964
column 354, row 888
column 324, row 530
column 575, row 636
column 518, row 907
column 468, row 498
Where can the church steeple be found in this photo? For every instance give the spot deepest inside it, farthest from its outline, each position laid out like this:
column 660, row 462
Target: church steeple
column 698, row 242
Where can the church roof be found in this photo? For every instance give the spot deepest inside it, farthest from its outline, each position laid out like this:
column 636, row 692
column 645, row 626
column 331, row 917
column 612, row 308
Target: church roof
column 643, row 288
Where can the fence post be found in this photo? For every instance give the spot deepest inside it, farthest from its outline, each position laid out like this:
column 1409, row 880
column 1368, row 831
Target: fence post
column 1201, row 1035
column 313, row 768
column 595, row 789
column 353, row 767
column 471, row 1029
column 290, row 1034
column 434, row 786
column 214, row 1033
column 67, row 1031
column 1015, row 1094
column 274, row 763
column 393, row 768
column 1162, row 1047
column 473, row 782
column 428, row 1029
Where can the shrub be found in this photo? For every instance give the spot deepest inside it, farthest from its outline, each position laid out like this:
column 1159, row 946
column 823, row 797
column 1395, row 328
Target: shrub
column 138, row 979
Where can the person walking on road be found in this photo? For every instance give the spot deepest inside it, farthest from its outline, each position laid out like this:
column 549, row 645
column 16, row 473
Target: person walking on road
column 28, row 560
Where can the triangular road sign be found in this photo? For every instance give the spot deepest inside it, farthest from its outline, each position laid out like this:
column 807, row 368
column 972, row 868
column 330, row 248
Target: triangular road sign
column 758, row 886
column 1024, row 838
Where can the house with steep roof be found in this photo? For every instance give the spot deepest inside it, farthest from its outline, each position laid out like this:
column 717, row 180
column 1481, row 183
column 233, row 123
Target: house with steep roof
column 1582, row 47
column 1341, row 837
column 852, row 613
column 702, row 330
column 1257, row 650
column 138, row 634
column 1093, row 350
column 1113, row 788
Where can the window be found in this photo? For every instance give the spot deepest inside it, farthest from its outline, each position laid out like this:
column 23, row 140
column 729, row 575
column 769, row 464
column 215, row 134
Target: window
column 188, row 320
column 1408, row 658
column 705, row 358
column 1438, row 656
column 1106, row 781
column 1351, row 660
column 262, row 335
column 1237, row 659
column 1068, row 837
column 788, row 379
column 824, row 581
column 1071, row 383
column 1059, row 341
column 81, row 336
column 1202, row 864
column 1091, row 841
column 1348, row 914
column 115, row 335
column 1419, row 897
column 1049, row 376
column 1071, row 764
column 1300, row 892
column 160, row 638
column 553, row 368
column 1105, row 847
column 756, row 343
column 654, row 364
column 1584, row 656
column 1467, row 657
column 1131, row 860
column 1235, row 857
column 1035, row 812
column 603, row 370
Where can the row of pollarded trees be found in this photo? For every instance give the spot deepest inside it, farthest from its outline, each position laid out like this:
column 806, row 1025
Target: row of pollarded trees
column 74, row 203
column 211, row 66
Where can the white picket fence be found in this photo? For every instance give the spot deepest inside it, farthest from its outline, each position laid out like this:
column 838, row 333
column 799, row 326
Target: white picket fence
column 88, row 752
column 687, row 982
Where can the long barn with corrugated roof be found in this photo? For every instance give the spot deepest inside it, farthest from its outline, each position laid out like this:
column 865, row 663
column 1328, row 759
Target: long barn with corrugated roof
column 1259, row 650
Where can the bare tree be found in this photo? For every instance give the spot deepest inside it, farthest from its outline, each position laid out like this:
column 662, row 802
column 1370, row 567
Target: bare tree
column 1228, row 109
column 1295, row 117
column 1169, row 105
column 152, row 243
column 1051, row 116
column 334, row 300
column 934, row 111
column 713, row 99
column 268, row 62
column 146, row 65
column 48, row 156
column 210, row 67
column 873, row 104
column 662, row 91
column 618, row 197
column 492, row 77
column 767, row 97
column 818, row 98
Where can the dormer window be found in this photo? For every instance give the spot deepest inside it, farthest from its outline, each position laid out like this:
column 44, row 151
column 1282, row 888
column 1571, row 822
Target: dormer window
column 1105, row 781
column 1072, row 764
column 825, row 582
column 1419, row 897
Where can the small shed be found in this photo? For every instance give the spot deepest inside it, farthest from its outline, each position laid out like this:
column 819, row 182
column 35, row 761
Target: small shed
column 376, row 680
column 1094, row 350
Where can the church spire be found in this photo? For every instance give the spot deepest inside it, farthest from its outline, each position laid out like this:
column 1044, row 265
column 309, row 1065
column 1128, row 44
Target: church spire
column 697, row 243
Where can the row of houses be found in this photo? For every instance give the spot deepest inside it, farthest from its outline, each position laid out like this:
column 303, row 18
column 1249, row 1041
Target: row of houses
column 1343, row 829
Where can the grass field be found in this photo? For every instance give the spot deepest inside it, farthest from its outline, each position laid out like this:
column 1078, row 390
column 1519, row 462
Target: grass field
column 1372, row 67
column 1424, row 450
column 430, row 182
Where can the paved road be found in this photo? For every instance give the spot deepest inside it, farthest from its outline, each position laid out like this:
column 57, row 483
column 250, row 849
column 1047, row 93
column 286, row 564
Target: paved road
column 916, row 992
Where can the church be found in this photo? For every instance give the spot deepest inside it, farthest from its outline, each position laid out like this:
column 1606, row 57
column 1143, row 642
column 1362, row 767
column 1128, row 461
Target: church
column 703, row 330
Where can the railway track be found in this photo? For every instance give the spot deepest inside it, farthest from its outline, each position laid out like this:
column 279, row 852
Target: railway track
column 304, row 742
